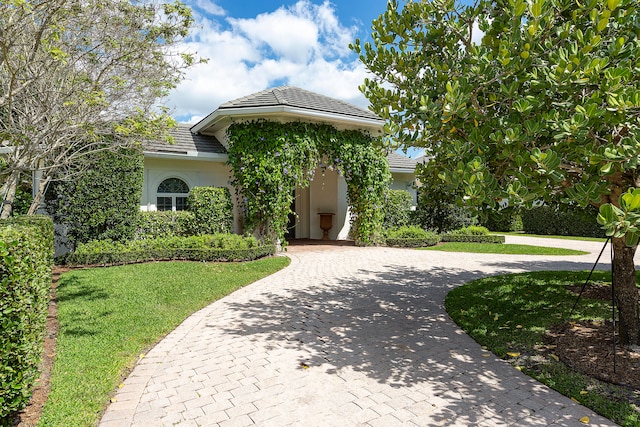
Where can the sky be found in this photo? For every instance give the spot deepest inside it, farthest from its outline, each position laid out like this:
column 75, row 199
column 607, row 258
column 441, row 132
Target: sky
column 252, row 45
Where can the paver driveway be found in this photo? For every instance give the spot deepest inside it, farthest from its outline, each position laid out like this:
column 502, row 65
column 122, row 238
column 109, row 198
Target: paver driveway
column 344, row 336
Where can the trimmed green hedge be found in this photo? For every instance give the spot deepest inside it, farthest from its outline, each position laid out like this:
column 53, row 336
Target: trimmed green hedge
column 26, row 261
column 569, row 221
column 414, row 243
column 212, row 208
column 471, row 230
column 471, row 238
column 103, row 200
column 411, row 237
column 152, row 225
column 218, row 247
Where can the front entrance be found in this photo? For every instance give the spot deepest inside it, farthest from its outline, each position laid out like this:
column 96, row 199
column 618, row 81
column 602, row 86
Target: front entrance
column 292, row 220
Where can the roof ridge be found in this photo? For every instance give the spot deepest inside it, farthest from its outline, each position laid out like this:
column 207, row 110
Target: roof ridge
column 277, row 91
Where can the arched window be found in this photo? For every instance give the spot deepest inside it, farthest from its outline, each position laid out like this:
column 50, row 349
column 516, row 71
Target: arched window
column 172, row 195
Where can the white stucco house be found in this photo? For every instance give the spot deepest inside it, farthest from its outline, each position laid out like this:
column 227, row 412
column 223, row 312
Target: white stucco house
column 199, row 155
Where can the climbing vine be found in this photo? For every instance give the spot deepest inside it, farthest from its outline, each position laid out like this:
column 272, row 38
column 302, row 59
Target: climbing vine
column 270, row 159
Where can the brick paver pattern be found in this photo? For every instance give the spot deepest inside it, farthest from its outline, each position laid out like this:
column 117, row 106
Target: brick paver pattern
column 344, row 336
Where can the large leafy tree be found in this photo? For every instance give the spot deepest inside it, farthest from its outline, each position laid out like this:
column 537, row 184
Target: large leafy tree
column 520, row 100
column 74, row 73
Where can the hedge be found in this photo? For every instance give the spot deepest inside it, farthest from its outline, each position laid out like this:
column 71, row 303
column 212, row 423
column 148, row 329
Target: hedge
column 570, row 221
column 413, row 243
column 155, row 224
column 212, row 208
column 471, row 238
column 411, row 237
column 26, row 261
column 103, row 200
column 219, row 247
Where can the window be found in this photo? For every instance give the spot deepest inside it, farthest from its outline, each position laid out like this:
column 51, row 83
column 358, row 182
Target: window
column 172, row 195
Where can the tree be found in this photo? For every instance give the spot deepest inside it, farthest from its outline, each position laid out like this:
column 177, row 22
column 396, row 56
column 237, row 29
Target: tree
column 74, row 73
column 545, row 106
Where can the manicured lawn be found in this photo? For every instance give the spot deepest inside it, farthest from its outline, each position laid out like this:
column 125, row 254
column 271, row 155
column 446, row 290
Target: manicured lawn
column 108, row 317
column 502, row 248
column 586, row 239
column 510, row 315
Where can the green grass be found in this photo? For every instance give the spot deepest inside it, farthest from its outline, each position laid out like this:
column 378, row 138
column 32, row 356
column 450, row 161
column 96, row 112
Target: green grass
column 504, row 248
column 109, row 316
column 511, row 314
column 519, row 233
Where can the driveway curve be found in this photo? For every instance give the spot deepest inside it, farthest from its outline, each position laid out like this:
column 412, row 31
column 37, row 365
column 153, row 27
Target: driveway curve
column 346, row 336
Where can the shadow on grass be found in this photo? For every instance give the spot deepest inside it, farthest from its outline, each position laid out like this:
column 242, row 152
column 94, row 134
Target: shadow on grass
column 80, row 321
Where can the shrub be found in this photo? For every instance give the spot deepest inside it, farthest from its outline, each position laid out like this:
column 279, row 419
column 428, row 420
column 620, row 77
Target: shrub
column 562, row 220
column 26, row 260
column 218, row 247
column 212, row 208
column 441, row 217
column 152, row 225
column 411, row 236
column 471, row 238
column 503, row 220
column 103, row 200
column 397, row 208
column 472, row 230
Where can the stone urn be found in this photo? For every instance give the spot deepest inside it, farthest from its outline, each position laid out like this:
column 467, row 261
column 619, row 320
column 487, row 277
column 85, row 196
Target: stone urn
column 326, row 222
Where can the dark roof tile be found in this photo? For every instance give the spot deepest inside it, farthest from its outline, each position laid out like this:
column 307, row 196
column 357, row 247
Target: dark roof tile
column 186, row 141
column 299, row 98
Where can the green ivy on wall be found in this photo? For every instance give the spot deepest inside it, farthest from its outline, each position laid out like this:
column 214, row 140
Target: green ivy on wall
column 271, row 159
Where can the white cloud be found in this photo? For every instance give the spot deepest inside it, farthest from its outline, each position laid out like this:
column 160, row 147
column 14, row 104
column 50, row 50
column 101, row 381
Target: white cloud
column 304, row 45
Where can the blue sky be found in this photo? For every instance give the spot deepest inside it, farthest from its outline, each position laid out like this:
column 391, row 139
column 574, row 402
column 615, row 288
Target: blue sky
column 253, row 45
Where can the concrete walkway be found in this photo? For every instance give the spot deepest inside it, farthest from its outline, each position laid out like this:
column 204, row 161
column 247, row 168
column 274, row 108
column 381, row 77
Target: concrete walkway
column 345, row 336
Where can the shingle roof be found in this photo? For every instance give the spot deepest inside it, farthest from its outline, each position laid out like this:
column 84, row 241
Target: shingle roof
column 299, row 98
column 398, row 161
column 185, row 142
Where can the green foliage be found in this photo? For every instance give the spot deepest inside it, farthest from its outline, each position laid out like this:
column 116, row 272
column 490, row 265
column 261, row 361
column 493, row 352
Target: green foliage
column 156, row 224
column 623, row 221
column 397, row 208
column 411, row 237
column 544, row 107
column 472, row 230
column 22, row 200
column 471, row 238
column 26, row 260
column 212, row 208
column 437, row 209
column 561, row 221
column 503, row 220
column 103, row 201
column 218, row 247
column 270, row 159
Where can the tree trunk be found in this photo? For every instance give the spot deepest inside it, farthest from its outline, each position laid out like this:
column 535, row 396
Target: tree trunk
column 626, row 292
column 10, row 187
column 37, row 199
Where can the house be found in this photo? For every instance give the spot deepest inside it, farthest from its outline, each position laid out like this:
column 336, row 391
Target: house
column 199, row 155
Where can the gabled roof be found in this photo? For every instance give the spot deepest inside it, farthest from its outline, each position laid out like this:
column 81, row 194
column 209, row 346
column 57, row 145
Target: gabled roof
column 186, row 144
column 400, row 163
column 290, row 103
column 299, row 98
